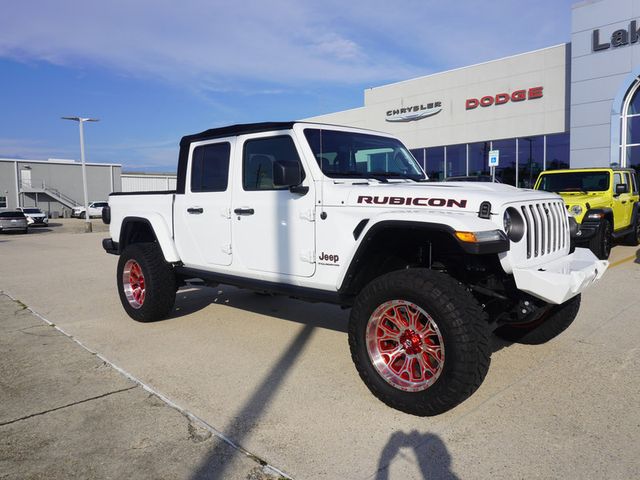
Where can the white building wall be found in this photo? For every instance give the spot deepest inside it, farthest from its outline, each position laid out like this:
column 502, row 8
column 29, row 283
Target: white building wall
column 546, row 68
column 600, row 79
column 145, row 182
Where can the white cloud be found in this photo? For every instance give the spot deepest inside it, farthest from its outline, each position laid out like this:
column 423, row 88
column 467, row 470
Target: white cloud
column 212, row 44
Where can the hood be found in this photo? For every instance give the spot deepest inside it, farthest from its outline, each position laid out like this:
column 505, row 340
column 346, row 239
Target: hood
column 450, row 196
column 593, row 199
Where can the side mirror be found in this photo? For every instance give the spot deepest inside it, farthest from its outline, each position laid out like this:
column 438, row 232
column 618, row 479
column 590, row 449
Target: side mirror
column 286, row 174
column 622, row 188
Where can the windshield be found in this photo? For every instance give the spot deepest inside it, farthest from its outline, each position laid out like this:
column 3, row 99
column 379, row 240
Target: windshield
column 31, row 210
column 575, row 182
column 359, row 155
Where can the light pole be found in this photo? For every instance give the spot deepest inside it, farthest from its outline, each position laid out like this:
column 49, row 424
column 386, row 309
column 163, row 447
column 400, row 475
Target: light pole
column 87, row 217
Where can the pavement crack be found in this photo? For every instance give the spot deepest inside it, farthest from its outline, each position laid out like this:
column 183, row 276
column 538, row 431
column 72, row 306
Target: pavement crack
column 67, row 405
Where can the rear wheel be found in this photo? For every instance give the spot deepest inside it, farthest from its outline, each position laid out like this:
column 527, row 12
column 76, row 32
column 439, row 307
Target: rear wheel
column 545, row 328
column 601, row 242
column 419, row 341
column 146, row 283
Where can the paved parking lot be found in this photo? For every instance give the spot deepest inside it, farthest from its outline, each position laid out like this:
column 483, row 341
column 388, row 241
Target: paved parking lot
column 275, row 376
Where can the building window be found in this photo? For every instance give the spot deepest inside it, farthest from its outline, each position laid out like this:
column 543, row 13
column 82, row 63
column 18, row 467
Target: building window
column 479, row 158
column 506, row 170
column 456, row 160
column 557, row 151
column 3, row 202
column 530, row 160
column 630, row 131
column 435, row 163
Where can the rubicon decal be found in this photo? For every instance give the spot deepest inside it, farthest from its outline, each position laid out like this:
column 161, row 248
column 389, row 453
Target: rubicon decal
column 414, row 112
column 415, row 201
column 502, row 98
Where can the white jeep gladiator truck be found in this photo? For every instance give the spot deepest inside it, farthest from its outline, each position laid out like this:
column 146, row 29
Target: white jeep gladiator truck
column 347, row 216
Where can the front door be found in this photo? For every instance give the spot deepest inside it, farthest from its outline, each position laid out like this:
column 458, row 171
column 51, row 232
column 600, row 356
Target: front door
column 202, row 215
column 273, row 228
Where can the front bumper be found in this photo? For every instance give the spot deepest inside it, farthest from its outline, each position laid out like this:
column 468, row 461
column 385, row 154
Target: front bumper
column 561, row 279
column 587, row 231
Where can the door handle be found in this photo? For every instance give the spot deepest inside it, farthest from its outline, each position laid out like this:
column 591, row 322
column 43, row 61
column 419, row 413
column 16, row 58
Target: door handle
column 244, row 211
column 195, row 210
column 624, row 201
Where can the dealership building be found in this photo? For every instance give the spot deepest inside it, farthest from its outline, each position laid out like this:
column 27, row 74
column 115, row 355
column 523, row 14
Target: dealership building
column 570, row 105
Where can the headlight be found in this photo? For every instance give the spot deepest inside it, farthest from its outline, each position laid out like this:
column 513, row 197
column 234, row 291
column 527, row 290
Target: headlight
column 575, row 210
column 513, row 224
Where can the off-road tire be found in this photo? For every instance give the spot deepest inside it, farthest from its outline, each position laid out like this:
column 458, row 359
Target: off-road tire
column 633, row 239
column 602, row 241
column 547, row 327
column 159, row 279
column 461, row 322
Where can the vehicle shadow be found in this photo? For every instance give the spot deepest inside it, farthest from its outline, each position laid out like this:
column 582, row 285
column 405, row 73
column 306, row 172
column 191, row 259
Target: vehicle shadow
column 37, row 230
column 192, row 299
column 496, row 343
column 434, row 460
column 217, row 461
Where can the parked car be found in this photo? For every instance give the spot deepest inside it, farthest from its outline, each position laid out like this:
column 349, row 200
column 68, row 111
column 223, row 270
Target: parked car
column 471, row 178
column 35, row 216
column 95, row 210
column 604, row 201
column 12, row 220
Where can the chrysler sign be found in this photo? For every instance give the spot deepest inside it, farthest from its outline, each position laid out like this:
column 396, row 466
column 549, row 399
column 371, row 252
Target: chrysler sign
column 414, row 112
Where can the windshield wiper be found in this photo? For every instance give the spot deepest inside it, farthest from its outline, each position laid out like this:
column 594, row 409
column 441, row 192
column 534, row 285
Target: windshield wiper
column 380, row 176
column 403, row 176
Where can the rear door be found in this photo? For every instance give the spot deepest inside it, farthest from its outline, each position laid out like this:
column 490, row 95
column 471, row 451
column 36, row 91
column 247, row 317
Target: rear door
column 202, row 215
column 273, row 228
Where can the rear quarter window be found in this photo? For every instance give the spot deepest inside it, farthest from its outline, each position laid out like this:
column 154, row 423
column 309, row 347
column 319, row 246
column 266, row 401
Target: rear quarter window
column 12, row 215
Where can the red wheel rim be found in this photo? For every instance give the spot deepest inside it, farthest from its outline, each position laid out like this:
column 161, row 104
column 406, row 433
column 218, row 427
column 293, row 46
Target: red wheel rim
column 405, row 345
column 133, row 283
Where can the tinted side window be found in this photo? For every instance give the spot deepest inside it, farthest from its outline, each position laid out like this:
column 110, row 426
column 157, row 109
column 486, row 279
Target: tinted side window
column 210, row 167
column 259, row 157
column 617, row 180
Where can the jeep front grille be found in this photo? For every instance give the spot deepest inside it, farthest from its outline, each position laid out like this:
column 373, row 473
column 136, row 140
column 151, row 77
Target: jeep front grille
column 547, row 228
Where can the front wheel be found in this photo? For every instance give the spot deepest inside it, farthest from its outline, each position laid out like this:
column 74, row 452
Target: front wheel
column 146, row 283
column 633, row 238
column 551, row 324
column 419, row 341
column 601, row 242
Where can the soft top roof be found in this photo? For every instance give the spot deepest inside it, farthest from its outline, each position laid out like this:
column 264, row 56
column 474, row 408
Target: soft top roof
column 239, row 129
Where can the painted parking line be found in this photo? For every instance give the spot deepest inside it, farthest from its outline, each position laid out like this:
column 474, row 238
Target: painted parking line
column 624, row 260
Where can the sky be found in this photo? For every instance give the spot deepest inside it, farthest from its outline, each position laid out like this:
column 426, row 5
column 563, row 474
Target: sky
column 155, row 70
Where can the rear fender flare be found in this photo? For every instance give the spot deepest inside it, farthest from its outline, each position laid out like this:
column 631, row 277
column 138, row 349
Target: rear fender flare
column 160, row 230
